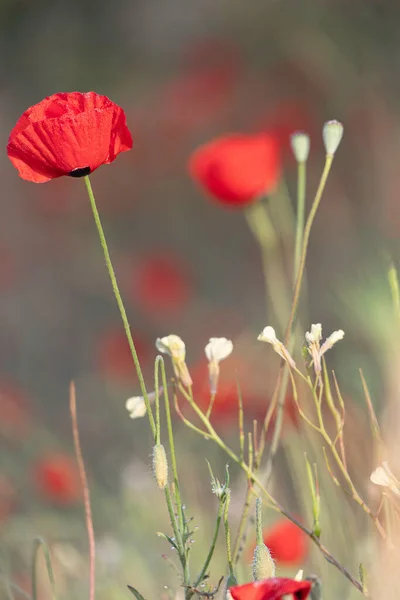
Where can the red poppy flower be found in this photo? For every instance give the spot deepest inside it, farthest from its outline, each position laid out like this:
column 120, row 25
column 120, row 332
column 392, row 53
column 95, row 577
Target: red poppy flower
column 271, row 589
column 160, row 284
column 68, row 134
column 237, row 169
column 57, row 479
column 287, row 543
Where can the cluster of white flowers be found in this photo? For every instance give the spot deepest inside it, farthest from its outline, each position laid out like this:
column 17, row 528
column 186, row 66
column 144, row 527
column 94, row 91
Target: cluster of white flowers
column 218, row 349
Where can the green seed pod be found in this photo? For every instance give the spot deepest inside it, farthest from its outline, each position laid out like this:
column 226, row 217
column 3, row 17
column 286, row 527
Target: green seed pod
column 263, row 565
column 160, row 466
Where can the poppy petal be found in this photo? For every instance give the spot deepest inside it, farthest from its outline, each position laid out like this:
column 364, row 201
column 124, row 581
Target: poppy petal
column 65, row 133
column 271, row 589
column 237, row 169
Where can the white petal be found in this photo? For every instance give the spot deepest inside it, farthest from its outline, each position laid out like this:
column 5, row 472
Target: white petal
column 314, row 336
column 136, row 406
column 336, row 336
column 268, row 335
column 218, row 348
column 383, row 476
column 172, row 345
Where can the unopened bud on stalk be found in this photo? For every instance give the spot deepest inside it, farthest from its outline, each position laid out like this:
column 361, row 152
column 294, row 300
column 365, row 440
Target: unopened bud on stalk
column 160, row 466
column 300, row 143
column 332, row 134
column 263, row 565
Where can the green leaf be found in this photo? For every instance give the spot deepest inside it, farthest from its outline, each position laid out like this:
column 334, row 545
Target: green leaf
column 137, row 595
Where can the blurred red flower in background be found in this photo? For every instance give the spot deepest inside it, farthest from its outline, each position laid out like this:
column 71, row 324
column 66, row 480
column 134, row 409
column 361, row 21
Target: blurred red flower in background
column 226, row 404
column 160, row 284
column 203, row 90
column 287, row 543
column 271, row 589
column 237, row 169
column 56, row 478
column 114, row 358
column 67, row 134
column 15, row 416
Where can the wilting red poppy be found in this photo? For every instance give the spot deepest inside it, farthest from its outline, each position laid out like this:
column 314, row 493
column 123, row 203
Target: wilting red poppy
column 114, row 356
column 287, row 543
column 271, row 589
column 160, row 284
column 57, row 479
column 68, row 134
column 237, row 169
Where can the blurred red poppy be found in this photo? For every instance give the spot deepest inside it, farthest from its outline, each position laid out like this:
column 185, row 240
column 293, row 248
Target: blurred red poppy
column 57, row 479
column 271, row 589
column 160, row 284
column 237, row 169
column 114, row 358
column 67, row 134
column 14, row 411
column 287, row 543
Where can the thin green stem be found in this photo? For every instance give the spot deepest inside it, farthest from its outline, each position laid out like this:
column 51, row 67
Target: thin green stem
column 37, row 544
column 120, row 303
column 211, row 404
column 259, row 528
column 274, row 279
column 212, row 548
column 171, row 442
column 301, row 205
column 306, row 239
column 228, row 532
column 157, row 399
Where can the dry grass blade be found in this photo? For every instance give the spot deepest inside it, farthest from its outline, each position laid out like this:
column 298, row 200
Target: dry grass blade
column 86, row 493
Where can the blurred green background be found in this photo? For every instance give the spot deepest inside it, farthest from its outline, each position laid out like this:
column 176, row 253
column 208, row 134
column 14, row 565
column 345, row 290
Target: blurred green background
column 184, row 72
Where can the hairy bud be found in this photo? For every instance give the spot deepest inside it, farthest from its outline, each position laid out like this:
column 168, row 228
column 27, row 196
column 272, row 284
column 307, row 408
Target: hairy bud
column 160, row 466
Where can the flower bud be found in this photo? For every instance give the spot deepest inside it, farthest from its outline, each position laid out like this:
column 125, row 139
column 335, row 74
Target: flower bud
column 263, row 565
column 332, row 134
column 300, row 143
column 160, row 466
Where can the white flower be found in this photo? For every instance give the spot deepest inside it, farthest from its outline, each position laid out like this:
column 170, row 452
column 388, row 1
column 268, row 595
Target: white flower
column 336, row 336
column 216, row 350
column 175, row 347
column 315, row 335
column 383, row 476
column 172, row 345
column 268, row 335
column 137, row 406
column 313, row 339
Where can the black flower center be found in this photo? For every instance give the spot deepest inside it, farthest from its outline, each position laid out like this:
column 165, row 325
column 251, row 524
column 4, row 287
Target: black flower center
column 81, row 172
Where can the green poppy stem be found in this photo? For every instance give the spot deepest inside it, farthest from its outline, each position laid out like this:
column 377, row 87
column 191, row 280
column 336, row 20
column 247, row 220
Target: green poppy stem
column 120, row 303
